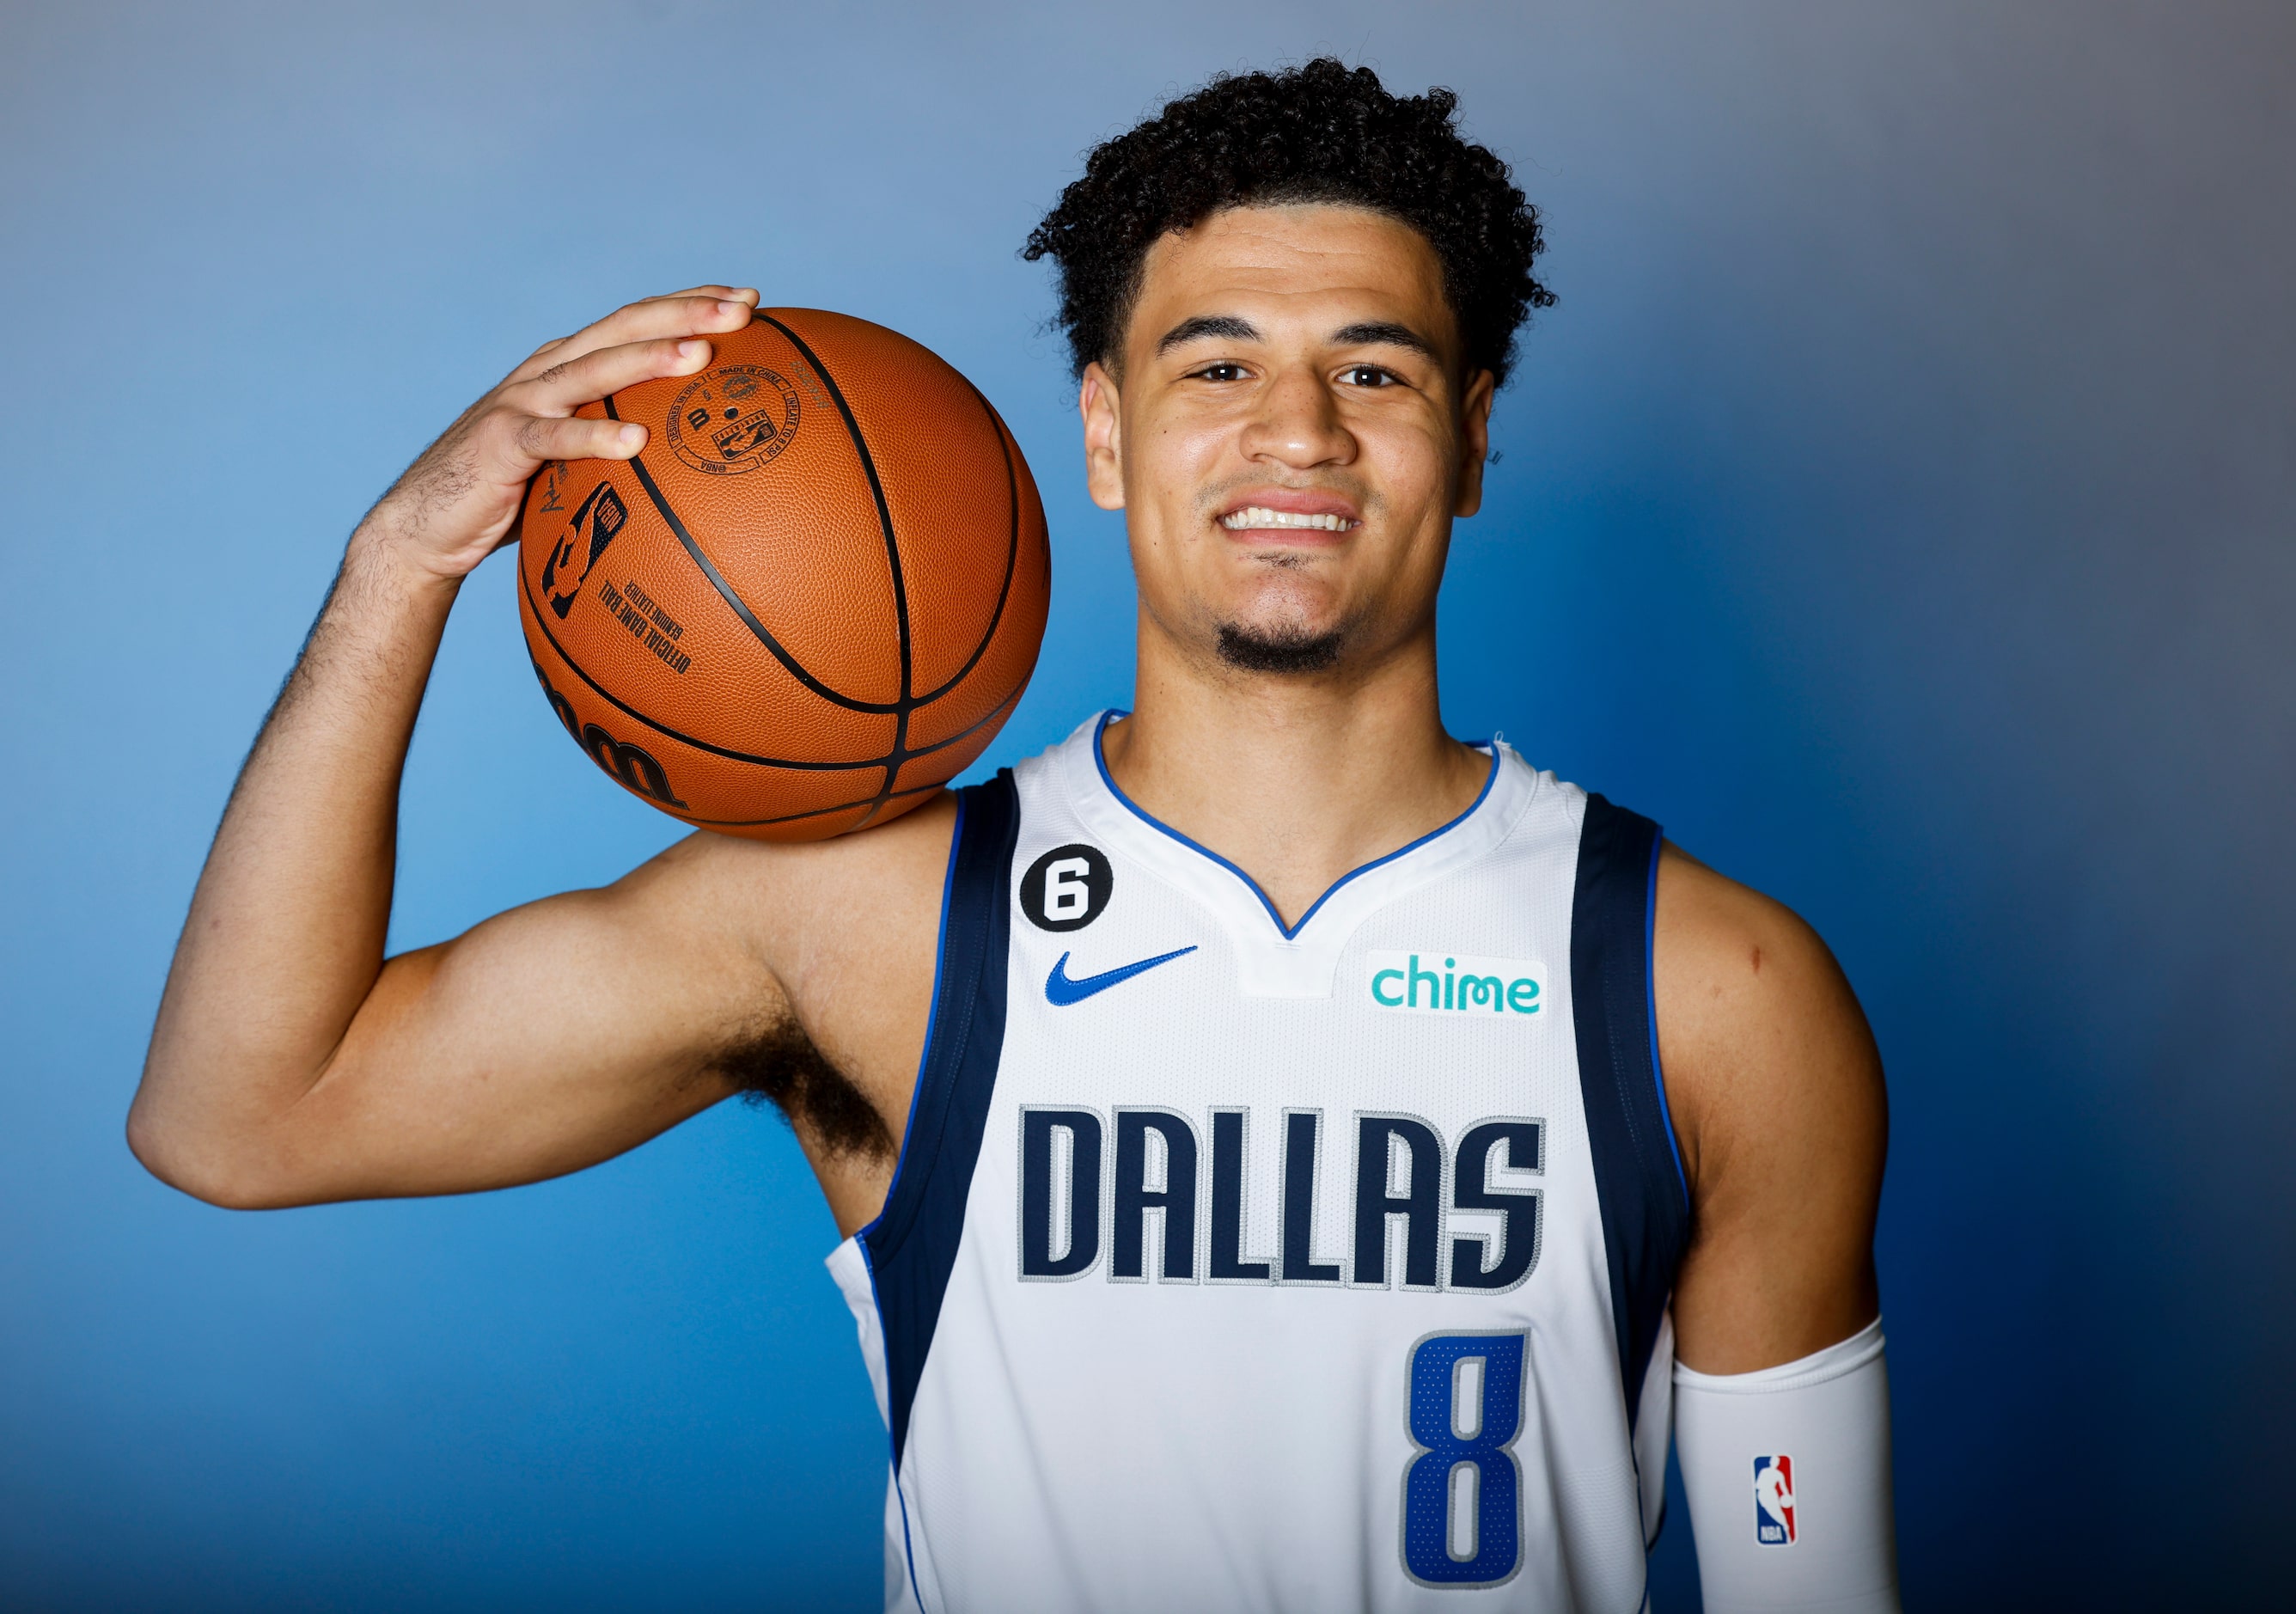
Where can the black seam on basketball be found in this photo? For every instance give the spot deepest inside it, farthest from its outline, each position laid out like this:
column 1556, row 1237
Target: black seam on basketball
column 1012, row 553
column 683, row 738
column 892, row 547
column 1001, row 710
column 871, row 802
column 740, row 607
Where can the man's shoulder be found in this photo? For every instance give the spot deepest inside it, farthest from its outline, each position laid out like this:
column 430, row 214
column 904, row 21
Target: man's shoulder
column 1759, row 1033
column 781, row 889
column 1721, row 940
column 783, row 896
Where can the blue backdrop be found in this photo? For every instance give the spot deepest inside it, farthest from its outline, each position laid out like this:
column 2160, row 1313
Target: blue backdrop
column 1898, row 504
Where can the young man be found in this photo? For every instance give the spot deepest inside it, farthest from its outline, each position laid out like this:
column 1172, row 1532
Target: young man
column 1291, row 1159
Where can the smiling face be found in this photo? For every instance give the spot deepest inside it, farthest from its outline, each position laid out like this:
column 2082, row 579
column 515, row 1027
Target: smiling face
column 1289, row 435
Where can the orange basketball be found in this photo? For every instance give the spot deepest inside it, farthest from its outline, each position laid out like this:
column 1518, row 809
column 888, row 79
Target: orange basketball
column 810, row 600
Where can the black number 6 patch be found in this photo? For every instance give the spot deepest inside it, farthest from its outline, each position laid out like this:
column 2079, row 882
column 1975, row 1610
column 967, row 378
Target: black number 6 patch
column 1067, row 888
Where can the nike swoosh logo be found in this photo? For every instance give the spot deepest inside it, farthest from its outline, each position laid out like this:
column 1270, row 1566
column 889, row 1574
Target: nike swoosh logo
column 1061, row 991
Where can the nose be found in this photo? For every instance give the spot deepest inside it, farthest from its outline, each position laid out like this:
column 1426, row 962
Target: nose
column 1298, row 424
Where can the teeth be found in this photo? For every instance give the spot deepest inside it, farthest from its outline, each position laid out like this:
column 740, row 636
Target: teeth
column 1257, row 515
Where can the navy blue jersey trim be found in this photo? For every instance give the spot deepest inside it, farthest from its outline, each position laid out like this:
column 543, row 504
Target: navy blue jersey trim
column 900, row 1495
column 1650, row 996
column 933, row 1020
column 912, row 1245
column 1638, row 1178
column 1100, row 760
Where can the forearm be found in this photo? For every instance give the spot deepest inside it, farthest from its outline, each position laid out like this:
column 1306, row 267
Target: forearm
column 285, row 935
column 1787, row 1472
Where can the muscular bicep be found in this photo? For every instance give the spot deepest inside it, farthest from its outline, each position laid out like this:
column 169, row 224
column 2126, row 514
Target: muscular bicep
column 548, row 1038
column 1776, row 1091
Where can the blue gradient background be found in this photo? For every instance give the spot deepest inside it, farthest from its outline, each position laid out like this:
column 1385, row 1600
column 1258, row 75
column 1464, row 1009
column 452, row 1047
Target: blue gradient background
column 1898, row 504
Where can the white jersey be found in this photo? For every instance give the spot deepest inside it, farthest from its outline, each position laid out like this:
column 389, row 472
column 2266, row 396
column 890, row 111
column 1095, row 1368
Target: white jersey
column 1234, row 1266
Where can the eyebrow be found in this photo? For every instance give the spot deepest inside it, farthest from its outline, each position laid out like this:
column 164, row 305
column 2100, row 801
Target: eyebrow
column 1231, row 328
column 1226, row 325
column 1384, row 331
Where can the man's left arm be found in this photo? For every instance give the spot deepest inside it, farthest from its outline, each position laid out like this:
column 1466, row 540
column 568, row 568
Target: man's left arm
column 1781, row 1394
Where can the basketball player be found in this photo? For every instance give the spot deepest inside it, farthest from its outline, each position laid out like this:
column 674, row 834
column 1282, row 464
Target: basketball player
column 1291, row 1159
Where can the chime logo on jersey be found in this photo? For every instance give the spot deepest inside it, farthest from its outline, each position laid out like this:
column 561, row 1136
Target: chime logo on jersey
column 1773, row 1500
column 1455, row 984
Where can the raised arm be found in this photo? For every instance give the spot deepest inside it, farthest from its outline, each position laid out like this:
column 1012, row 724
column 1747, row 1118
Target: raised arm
column 289, row 1063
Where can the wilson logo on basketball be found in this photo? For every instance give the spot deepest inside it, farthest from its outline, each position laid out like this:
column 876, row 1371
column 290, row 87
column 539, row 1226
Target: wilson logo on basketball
column 733, row 420
column 633, row 765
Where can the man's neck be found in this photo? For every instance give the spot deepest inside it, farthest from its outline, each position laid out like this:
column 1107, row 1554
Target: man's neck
column 1296, row 779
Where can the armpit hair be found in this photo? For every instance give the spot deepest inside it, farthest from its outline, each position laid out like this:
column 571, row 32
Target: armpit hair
column 782, row 1064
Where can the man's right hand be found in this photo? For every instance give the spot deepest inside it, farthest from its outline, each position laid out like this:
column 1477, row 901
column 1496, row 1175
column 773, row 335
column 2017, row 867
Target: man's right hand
column 459, row 501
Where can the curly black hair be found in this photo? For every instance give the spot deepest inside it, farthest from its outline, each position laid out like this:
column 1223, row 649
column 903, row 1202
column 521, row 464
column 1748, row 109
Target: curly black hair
column 1321, row 132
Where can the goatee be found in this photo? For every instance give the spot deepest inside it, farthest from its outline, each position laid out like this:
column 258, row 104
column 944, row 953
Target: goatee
column 1280, row 651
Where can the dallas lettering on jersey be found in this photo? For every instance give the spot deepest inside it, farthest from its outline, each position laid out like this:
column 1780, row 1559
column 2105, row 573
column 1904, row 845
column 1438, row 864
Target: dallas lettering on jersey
column 1133, row 1185
column 1451, row 983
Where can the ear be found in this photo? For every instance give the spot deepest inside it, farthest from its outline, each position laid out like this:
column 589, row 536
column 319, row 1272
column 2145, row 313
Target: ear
column 1104, row 437
column 1474, row 443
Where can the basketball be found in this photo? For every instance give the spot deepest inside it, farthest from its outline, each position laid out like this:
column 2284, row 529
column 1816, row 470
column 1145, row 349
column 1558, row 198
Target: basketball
column 811, row 600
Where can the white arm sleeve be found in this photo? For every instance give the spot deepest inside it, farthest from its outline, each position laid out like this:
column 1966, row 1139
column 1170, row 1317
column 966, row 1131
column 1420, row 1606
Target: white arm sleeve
column 1788, row 1475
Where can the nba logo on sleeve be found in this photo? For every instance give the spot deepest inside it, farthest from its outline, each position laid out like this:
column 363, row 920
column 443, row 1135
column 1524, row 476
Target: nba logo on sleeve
column 1773, row 1502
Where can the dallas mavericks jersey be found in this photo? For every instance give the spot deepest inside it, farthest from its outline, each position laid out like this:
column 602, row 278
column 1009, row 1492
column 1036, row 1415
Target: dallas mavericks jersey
column 1231, row 1265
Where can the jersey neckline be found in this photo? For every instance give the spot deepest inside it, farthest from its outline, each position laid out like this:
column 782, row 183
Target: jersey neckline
column 1289, row 932
column 1276, row 959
